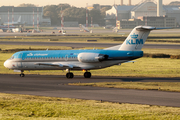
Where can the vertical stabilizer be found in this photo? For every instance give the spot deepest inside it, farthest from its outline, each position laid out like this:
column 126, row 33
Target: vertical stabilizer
column 19, row 19
column 137, row 38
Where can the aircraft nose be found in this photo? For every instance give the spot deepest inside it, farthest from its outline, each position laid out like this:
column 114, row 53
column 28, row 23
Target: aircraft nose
column 6, row 64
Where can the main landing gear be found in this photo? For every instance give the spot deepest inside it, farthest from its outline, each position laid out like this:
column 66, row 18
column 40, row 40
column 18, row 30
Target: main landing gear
column 22, row 74
column 71, row 75
column 87, row 75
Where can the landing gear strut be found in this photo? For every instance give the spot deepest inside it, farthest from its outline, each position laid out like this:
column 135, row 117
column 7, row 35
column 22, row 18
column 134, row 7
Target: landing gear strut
column 22, row 74
column 87, row 75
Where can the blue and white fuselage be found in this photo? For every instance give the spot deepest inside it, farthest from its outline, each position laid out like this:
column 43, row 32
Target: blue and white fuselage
column 64, row 59
column 82, row 59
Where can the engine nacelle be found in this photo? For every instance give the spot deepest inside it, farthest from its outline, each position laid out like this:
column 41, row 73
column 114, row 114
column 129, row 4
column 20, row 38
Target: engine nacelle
column 91, row 57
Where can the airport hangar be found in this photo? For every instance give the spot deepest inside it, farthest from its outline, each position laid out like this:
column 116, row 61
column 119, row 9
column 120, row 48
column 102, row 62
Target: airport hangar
column 26, row 13
column 144, row 13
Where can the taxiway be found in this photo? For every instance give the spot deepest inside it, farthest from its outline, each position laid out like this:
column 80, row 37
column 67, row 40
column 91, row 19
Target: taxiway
column 56, row 86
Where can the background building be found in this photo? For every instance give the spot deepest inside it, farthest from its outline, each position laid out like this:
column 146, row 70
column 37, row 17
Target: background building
column 144, row 13
column 71, row 24
column 121, row 12
column 162, row 21
column 26, row 14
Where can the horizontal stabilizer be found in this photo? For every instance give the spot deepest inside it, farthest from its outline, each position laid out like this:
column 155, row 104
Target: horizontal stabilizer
column 140, row 28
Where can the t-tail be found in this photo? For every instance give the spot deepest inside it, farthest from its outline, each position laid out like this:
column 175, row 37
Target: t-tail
column 137, row 38
column 19, row 19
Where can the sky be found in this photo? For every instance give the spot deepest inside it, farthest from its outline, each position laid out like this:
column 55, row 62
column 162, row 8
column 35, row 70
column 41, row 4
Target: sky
column 77, row 3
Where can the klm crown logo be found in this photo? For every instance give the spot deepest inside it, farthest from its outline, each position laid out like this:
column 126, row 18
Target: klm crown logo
column 134, row 36
column 134, row 40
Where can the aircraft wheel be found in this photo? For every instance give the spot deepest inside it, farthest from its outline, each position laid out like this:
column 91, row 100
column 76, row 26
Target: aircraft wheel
column 72, row 75
column 69, row 75
column 22, row 75
column 87, row 75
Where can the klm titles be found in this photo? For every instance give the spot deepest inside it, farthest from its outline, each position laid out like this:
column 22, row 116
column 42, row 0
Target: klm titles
column 134, row 42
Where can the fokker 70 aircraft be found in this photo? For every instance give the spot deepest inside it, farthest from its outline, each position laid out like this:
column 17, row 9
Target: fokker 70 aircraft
column 17, row 23
column 82, row 59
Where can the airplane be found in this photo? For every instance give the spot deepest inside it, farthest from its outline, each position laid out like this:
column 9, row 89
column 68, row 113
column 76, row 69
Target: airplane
column 62, row 31
column 108, row 27
column 85, row 60
column 115, row 30
column 5, row 27
column 17, row 23
column 83, row 28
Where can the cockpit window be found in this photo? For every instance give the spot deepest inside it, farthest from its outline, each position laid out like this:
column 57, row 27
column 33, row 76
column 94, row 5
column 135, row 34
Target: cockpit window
column 12, row 57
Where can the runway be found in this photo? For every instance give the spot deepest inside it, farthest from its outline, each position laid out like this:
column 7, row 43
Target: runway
column 81, row 45
column 56, row 86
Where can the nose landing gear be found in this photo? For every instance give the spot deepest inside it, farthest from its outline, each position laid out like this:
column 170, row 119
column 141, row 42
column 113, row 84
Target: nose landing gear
column 22, row 74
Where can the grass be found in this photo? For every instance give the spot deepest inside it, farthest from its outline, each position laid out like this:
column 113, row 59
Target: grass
column 162, row 51
column 161, row 86
column 29, row 47
column 25, row 107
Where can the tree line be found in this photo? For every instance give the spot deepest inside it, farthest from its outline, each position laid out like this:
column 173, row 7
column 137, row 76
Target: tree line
column 72, row 13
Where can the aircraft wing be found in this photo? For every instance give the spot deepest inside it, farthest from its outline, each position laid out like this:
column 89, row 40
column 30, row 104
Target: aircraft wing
column 57, row 65
column 130, row 61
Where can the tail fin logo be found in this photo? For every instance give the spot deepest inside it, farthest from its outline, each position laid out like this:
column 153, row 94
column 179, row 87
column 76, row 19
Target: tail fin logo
column 134, row 36
column 132, row 42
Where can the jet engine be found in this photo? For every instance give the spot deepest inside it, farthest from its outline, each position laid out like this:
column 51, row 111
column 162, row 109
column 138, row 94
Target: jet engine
column 91, row 57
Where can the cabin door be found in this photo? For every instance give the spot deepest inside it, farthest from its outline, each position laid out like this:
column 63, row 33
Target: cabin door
column 19, row 64
column 66, row 58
